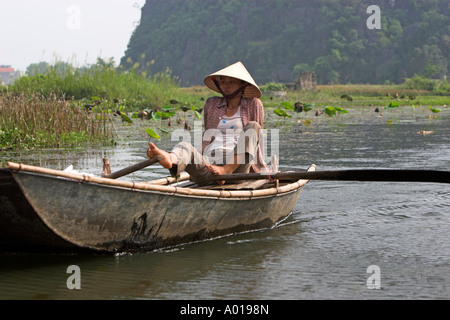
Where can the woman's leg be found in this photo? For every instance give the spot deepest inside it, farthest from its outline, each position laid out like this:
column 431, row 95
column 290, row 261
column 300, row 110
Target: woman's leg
column 168, row 159
column 183, row 157
column 245, row 152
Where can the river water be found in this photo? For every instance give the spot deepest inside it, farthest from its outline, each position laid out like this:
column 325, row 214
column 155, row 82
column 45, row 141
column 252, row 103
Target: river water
column 344, row 240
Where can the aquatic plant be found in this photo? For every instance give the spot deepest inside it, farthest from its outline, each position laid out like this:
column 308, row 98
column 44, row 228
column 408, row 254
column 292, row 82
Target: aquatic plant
column 434, row 110
column 392, row 105
column 333, row 111
column 282, row 113
column 346, row 96
column 153, row 134
column 197, row 112
column 39, row 121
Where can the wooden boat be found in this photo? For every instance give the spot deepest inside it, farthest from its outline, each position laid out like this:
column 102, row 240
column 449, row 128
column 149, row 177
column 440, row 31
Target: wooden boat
column 51, row 210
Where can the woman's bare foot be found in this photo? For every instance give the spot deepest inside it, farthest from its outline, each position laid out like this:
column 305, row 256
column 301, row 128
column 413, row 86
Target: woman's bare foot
column 219, row 170
column 167, row 160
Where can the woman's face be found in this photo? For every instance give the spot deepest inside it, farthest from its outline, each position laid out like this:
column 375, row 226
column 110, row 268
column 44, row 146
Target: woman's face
column 229, row 85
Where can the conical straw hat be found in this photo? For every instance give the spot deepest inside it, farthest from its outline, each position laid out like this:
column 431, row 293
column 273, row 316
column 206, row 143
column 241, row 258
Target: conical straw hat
column 237, row 71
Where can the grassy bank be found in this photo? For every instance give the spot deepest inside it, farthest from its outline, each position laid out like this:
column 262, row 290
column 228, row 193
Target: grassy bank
column 369, row 95
column 102, row 81
column 64, row 105
column 37, row 121
column 135, row 90
column 336, row 95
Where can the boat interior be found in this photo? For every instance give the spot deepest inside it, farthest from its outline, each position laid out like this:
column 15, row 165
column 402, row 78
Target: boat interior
column 184, row 182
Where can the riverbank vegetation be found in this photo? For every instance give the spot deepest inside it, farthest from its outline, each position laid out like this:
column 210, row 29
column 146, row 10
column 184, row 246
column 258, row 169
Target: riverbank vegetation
column 36, row 121
column 415, row 91
column 102, row 79
column 62, row 105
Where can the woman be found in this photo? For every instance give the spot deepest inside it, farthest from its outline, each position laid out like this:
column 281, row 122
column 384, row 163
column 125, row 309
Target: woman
column 233, row 123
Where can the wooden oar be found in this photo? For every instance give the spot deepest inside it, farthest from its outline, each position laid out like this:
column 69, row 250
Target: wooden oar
column 348, row 175
column 133, row 168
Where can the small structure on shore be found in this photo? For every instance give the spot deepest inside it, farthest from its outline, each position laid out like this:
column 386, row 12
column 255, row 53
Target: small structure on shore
column 8, row 74
column 307, row 81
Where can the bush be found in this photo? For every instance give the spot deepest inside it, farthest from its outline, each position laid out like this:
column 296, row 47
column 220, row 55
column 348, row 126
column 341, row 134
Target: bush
column 36, row 121
column 443, row 87
column 419, row 83
column 272, row 86
column 102, row 80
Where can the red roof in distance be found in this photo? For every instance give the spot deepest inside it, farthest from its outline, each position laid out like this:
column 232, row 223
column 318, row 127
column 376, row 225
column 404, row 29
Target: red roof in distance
column 11, row 70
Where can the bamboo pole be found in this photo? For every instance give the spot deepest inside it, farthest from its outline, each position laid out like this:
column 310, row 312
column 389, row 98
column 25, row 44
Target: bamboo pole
column 169, row 180
column 171, row 190
column 133, row 168
column 348, row 175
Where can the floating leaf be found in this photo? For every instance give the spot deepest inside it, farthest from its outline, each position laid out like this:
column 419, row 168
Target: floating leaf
column 152, row 133
column 156, row 116
column 346, row 96
column 125, row 117
column 167, row 108
column 197, row 115
column 163, row 115
column 287, row 105
column 166, row 115
column 340, row 110
column 333, row 111
column 330, row 111
column 308, row 107
column 393, row 105
column 281, row 113
column 434, row 110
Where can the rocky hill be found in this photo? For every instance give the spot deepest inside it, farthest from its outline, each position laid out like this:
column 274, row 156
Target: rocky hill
column 342, row 41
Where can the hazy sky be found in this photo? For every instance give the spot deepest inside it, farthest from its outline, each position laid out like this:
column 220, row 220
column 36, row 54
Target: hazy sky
column 75, row 31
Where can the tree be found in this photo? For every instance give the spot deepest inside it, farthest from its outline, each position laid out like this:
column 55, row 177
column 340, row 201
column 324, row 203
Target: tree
column 276, row 39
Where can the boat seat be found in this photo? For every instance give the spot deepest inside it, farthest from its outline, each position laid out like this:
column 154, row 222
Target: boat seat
column 245, row 185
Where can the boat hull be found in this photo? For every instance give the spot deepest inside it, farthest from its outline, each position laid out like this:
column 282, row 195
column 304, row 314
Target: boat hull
column 43, row 212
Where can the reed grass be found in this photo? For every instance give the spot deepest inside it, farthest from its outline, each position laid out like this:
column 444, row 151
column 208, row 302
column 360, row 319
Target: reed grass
column 101, row 80
column 47, row 121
